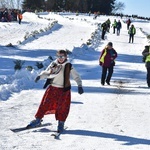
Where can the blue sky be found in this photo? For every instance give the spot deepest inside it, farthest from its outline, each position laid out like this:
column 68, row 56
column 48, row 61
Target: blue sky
column 137, row 7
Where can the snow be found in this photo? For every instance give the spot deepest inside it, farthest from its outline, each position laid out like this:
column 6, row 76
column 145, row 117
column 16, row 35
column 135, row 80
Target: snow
column 104, row 117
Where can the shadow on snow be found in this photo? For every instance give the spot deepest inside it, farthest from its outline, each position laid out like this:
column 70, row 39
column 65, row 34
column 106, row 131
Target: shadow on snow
column 127, row 139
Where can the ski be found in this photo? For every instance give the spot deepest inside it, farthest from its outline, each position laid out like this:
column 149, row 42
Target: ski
column 57, row 134
column 25, row 128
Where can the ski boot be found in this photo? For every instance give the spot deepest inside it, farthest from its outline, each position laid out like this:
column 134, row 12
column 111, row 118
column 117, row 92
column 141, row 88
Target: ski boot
column 60, row 126
column 34, row 123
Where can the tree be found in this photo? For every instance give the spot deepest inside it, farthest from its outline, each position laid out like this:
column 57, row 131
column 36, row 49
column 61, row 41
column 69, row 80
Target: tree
column 102, row 6
column 33, row 4
column 12, row 4
column 119, row 6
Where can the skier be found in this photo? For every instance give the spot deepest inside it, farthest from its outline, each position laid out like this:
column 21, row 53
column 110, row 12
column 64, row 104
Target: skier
column 107, row 61
column 57, row 97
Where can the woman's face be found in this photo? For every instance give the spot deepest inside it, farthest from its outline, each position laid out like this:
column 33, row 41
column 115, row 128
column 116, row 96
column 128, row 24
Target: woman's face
column 61, row 58
column 109, row 47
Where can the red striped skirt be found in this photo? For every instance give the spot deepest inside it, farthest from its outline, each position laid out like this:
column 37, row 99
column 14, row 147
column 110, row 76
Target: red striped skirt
column 55, row 101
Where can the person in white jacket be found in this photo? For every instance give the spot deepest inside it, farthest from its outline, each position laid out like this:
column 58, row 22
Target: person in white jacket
column 57, row 97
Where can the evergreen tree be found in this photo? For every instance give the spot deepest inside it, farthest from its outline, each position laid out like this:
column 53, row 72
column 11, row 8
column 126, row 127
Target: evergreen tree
column 33, row 4
column 102, row 6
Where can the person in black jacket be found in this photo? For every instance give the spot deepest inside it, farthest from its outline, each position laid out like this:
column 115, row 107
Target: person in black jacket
column 104, row 29
column 118, row 26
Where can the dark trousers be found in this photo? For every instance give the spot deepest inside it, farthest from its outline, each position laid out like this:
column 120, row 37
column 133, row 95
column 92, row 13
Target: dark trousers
column 148, row 77
column 118, row 31
column 106, row 76
column 103, row 34
column 114, row 28
column 19, row 21
column 131, row 37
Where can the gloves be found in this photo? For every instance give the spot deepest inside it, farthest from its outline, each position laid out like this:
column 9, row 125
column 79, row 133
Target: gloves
column 100, row 63
column 37, row 79
column 80, row 90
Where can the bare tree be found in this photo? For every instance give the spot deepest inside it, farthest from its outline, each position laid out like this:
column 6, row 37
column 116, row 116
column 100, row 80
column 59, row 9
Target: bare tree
column 11, row 4
column 118, row 7
column 3, row 3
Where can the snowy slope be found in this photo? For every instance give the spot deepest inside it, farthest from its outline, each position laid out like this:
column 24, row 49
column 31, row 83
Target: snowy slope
column 104, row 117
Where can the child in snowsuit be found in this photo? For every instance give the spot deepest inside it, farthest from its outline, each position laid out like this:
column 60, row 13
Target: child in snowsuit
column 57, row 97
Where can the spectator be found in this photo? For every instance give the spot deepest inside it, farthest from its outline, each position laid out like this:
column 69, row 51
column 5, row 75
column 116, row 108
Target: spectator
column 104, row 29
column 131, row 32
column 146, row 54
column 128, row 23
column 107, row 61
column 114, row 26
column 118, row 26
column 20, row 17
column 108, row 24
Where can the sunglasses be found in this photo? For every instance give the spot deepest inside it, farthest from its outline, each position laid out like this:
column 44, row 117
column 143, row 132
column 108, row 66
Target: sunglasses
column 62, row 57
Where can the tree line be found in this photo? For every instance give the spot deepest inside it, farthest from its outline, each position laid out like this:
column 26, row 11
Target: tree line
column 102, row 6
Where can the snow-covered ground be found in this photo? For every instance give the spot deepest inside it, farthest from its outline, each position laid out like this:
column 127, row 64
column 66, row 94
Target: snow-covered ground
column 112, row 117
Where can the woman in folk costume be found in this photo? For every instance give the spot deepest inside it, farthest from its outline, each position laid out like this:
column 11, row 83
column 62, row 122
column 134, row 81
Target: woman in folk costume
column 107, row 61
column 57, row 97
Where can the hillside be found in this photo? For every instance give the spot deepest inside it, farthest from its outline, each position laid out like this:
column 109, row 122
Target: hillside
column 112, row 117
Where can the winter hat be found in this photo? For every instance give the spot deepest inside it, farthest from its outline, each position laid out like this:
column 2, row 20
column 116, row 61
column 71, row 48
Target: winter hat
column 110, row 44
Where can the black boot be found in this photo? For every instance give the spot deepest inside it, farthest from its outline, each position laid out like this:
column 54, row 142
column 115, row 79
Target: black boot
column 60, row 126
column 108, row 82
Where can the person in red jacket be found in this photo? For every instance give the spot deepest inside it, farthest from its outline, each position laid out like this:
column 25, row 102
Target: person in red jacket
column 107, row 61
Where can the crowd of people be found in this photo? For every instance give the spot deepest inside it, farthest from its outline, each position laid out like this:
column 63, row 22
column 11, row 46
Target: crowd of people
column 116, row 25
column 106, row 27
column 8, row 15
column 108, row 54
